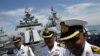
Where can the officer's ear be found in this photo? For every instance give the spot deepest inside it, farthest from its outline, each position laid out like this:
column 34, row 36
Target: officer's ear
column 85, row 35
column 54, row 34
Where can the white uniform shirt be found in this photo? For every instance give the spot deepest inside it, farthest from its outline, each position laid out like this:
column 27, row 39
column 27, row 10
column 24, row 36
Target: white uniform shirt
column 56, row 51
column 23, row 51
column 87, row 49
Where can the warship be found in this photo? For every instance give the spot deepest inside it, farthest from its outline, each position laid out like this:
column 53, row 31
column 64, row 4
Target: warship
column 27, row 26
column 3, row 38
column 5, row 42
column 31, row 30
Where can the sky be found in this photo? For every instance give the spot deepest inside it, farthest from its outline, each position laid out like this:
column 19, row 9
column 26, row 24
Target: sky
column 11, row 11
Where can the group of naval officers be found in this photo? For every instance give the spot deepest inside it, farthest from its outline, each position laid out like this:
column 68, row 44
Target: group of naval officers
column 72, row 36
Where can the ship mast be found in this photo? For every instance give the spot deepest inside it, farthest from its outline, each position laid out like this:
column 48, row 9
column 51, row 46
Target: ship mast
column 1, row 30
column 52, row 19
column 28, row 20
column 2, row 33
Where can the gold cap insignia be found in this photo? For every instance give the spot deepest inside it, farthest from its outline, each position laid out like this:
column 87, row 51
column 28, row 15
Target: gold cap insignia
column 64, row 28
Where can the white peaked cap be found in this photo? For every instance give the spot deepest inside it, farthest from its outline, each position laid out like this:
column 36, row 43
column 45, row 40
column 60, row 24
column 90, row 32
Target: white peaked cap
column 71, row 22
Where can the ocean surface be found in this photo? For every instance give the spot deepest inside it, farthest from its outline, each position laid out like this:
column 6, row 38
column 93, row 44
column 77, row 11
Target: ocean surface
column 94, row 27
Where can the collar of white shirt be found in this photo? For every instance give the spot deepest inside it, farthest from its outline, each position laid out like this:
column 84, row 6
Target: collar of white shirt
column 87, row 49
column 20, row 48
column 54, row 47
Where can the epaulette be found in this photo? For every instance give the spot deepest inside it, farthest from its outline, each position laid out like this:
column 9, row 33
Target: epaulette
column 62, row 45
column 96, row 49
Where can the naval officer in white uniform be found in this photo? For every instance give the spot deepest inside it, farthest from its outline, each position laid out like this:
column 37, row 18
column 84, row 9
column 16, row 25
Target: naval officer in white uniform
column 51, row 48
column 73, row 34
column 20, row 49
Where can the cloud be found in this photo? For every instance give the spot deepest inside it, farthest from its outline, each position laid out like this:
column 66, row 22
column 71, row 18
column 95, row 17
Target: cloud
column 12, row 17
column 74, row 9
column 43, row 15
column 6, row 27
column 61, row 5
column 86, row 11
column 17, row 12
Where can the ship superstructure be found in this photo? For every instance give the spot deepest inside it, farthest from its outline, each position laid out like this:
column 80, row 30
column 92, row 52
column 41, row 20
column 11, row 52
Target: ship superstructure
column 29, row 28
column 52, row 20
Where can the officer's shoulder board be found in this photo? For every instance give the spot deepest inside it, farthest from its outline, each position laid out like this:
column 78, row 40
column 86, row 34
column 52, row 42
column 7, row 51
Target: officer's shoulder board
column 96, row 49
